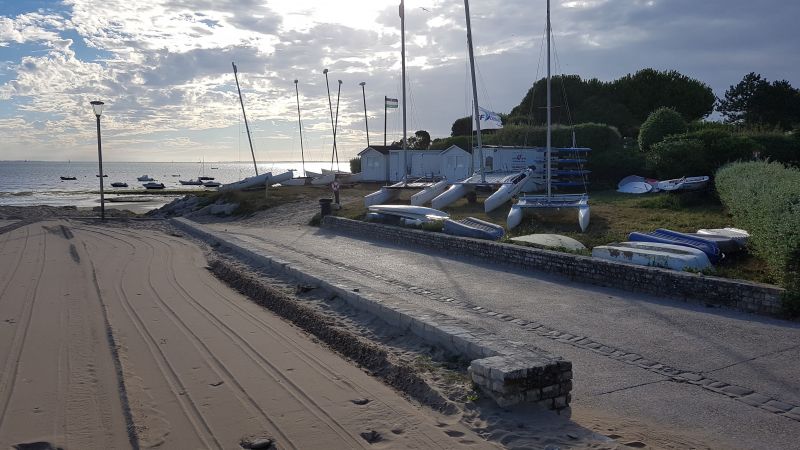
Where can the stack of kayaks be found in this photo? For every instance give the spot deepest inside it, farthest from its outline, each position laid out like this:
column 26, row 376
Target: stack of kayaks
column 474, row 228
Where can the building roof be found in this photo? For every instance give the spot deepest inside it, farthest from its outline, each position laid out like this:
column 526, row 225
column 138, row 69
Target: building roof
column 383, row 149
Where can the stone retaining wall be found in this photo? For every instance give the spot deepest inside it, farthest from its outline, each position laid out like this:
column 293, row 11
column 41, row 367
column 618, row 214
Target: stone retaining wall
column 737, row 294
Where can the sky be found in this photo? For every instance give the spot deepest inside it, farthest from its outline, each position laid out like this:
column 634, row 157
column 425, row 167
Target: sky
column 163, row 67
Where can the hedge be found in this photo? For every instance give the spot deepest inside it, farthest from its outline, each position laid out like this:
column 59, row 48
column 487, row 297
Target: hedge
column 779, row 147
column 764, row 199
column 700, row 153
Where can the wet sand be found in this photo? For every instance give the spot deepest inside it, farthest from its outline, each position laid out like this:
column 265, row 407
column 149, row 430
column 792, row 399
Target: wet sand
column 105, row 329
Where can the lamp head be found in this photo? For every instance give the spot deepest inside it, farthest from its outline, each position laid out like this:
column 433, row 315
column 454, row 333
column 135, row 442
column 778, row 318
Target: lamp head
column 362, row 83
column 324, row 70
column 97, row 106
column 295, row 81
column 340, row 81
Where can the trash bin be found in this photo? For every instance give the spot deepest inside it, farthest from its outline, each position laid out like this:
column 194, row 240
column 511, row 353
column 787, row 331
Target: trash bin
column 325, row 206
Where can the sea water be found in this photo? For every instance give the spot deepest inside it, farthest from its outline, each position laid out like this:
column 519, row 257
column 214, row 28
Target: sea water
column 29, row 183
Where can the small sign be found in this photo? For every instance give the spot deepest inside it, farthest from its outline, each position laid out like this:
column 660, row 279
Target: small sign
column 335, row 186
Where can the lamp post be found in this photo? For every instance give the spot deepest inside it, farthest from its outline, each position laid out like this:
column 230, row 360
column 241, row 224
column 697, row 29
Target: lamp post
column 364, row 95
column 97, row 107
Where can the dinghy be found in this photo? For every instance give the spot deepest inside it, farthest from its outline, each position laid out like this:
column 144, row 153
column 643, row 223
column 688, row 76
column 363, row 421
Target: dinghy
column 667, row 256
column 739, row 235
column 119, row 184
column 682, row 184
column 663, row 236
column 145, row 178
column 410, row 212
column 474, row 228
column 152, row 185
column 635, row 187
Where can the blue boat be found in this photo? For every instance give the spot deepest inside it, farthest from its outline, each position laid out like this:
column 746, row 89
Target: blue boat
column 664, row 236
column 474, row 228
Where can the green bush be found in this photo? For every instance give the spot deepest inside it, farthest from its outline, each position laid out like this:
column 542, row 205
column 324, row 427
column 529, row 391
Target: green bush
column 764, row 199
column 660, row 123
column 355, row 164
column 779, row 147
column 699, row 153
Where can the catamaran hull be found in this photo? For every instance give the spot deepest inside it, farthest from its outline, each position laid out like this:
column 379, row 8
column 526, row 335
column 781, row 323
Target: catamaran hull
column 324, row 179
column 429, row 193
column 381, row 196
column 251, row 182
column 450, row 196
column 507, row 191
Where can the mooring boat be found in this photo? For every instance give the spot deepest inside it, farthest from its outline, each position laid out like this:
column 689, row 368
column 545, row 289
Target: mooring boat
column 152, row 185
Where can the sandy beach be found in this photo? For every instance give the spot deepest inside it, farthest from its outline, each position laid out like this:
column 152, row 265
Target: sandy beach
column 118, row 337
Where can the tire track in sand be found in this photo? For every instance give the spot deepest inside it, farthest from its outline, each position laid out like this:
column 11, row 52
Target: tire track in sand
column 176, row 387
column 11, row 365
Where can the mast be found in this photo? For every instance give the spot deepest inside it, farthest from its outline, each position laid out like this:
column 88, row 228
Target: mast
column 246, row 126
column 300, row 123
column 330, row 108
column 475, row 91
column 403, row 63
column 548, row 149
column 335, row 126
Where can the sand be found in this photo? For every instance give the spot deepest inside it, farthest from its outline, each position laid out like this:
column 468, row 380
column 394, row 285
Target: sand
column 193, row 364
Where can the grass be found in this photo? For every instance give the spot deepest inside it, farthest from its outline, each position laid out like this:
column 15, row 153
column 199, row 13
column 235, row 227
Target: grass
column 613, row 216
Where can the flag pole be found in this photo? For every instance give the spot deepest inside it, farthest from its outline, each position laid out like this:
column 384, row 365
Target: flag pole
column 474, row 92
column 384, row 120
column 403, row 64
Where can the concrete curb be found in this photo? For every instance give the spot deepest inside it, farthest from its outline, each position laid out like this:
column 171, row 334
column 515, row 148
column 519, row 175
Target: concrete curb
column 509, row 372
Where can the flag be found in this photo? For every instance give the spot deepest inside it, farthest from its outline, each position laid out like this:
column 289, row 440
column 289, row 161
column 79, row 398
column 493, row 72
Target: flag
column 489, row 120
column 391, row 102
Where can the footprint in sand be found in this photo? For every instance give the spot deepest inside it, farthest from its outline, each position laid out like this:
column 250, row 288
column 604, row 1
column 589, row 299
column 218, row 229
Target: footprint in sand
column 371, row 436
column 361, row 401
column 635, row 444
column 454, row 433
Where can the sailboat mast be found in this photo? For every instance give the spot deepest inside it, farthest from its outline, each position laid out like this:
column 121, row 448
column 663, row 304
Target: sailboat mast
column 403, row 64
column 549, row 141
column 300, row 124
column 246, row 126
column 474, row 92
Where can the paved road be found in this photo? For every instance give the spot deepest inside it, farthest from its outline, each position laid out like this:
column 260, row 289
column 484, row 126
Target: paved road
column 740, row 354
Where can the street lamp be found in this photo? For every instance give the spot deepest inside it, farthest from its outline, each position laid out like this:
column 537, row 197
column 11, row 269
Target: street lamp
column 364, row 95
column 97, row 107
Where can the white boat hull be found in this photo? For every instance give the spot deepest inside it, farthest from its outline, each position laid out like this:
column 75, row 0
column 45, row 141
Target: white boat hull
column 450, row 196
column 738, row 235
column 381, row 196
column 514, row 217
column 507, row 191
column 280, row 178
column 667, row 256
column 410, row 212
column 429, row 193
column 326, row 178
column 255, row 181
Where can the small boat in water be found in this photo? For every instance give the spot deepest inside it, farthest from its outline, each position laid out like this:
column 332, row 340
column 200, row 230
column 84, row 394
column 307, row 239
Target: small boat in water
column 145, row 178
column 68, row 178
column 474, row 228
column 152, row 185
column 190, row 182
column 212, row 184
column 205, row 178
column 119, row 184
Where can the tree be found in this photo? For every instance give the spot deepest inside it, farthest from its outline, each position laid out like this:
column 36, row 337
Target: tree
column 755, row 101
column 462, row 127
column 649, row 89
column 660, row 123
column 421, row 140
